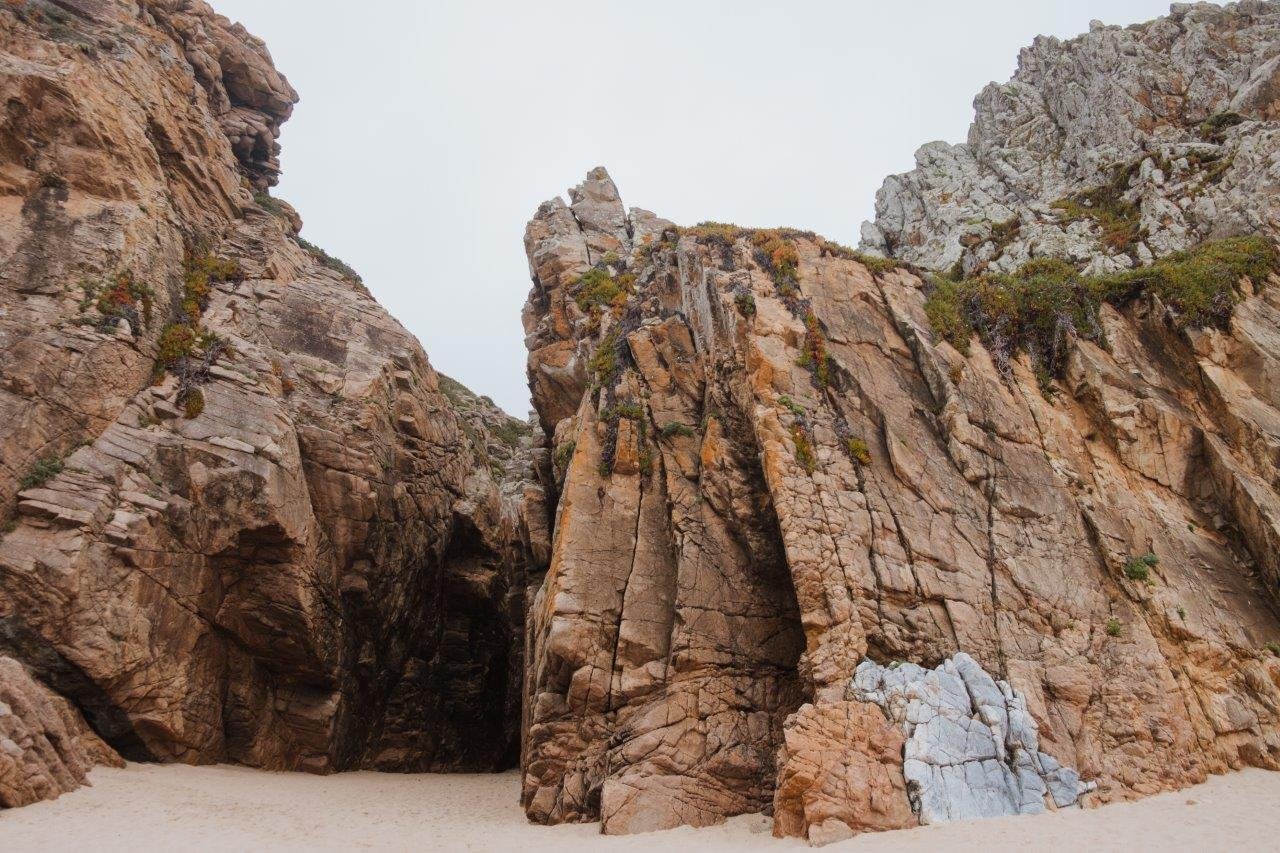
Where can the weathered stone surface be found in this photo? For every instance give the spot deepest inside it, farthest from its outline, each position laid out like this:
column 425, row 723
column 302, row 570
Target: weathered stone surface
column 840, row 773
column 972, row 750
column 45, row 747
column 1134, row 98
column 915, row 502
column 313, row 568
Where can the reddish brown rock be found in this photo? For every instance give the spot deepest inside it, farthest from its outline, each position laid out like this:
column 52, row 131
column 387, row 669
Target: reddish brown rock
column 770, row 477
column 840, row 773
column 242, row 520
column 45, row 747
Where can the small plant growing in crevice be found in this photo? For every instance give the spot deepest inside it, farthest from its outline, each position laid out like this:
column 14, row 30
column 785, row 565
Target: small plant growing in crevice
column 875, row 263
column 859, row 450
column 605, row 361
column 192, row 402
column 746, row 302
column 675, row 428
column 563, row 456
column 597, row 290
column 778, row 255
column 814, row 355
column 270, row 205
column 791, row 406
column 1182, row 613
column 177, row 342
column 42, row 472
column 1139, row 568
column 1036, row 309
column 1215, row 127
column 721, row 235
column 1114, row 628
column 200, row 270
column 1120, row 221
column 184, row 348
column 327, row 260
column 120, row 298
column 1004, row 233
column 1274, row 648
column 630, row 411
column 804, row 448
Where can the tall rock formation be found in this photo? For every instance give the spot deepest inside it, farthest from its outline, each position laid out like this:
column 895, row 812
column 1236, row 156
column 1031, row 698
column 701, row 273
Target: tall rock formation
column 1107, row 150
column 799, row 536
column 242, row 521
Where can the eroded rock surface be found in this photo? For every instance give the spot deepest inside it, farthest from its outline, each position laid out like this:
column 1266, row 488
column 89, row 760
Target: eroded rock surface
column 767, row 472
column 242, row 521
column 1178, row 116
column 972, row 750
column 46, row 749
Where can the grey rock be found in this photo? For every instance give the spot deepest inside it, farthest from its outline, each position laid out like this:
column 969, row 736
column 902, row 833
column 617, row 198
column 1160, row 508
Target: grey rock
column 1074, row 111
column 972, row 748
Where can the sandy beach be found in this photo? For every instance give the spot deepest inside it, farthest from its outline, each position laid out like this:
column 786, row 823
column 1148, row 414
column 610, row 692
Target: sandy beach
column 147, row 807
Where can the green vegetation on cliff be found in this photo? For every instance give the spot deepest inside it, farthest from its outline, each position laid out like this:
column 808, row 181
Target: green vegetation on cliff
column 1034, row 309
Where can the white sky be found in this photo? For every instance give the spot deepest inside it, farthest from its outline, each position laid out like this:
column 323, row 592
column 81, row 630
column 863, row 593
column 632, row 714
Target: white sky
column 429, row 132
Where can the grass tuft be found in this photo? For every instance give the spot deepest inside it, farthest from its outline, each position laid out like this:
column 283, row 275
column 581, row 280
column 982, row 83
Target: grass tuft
column 1035, row 309
column 43, row 471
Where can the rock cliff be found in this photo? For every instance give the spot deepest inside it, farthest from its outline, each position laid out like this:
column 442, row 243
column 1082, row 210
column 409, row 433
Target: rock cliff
column 1108, row 150
column 781, row 498
column 981, row 521
column 242, row 518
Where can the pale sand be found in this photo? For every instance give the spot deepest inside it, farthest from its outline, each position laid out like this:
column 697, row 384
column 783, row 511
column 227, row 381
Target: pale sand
column 148, row 807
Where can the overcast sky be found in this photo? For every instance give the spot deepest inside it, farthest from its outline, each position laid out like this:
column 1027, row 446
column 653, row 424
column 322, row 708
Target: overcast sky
column 429, row 132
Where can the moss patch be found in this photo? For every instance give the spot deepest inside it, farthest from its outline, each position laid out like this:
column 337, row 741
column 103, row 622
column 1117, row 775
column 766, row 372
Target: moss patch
column 1034, row 309
column 1120, row 221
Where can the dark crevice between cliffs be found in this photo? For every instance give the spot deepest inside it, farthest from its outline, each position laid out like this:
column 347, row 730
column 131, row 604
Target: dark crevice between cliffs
column 455, row 703
column 47, row 665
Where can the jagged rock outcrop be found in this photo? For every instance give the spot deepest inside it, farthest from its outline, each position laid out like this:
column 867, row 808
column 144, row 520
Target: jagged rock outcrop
column 46, row 749
column 1107, row 150
column 768, row 472
column 972, row 749
column 241, row 520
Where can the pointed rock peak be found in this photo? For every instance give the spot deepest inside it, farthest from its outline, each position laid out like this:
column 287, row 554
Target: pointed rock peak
column 598, row 208
column 597, row 187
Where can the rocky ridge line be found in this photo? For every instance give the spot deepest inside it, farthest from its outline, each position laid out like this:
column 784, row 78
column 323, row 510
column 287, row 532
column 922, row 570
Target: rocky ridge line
column 1107, row 150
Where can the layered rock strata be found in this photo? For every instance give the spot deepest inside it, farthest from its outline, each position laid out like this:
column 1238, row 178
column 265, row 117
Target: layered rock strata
column 46, row 749
column 769, row 472
column 241, row 520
